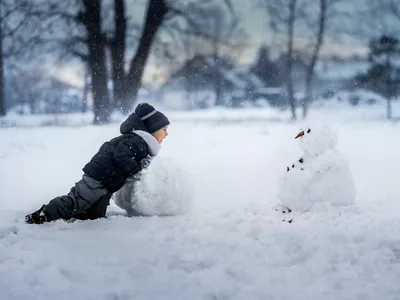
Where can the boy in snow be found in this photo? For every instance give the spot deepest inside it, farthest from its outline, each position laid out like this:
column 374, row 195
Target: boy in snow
column 117, row 160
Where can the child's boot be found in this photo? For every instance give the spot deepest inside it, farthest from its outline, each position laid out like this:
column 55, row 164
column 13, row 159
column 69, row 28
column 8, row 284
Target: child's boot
column 38, row 217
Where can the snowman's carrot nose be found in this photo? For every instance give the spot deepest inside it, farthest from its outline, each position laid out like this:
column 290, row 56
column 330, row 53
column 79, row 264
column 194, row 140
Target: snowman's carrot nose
column 301, row 133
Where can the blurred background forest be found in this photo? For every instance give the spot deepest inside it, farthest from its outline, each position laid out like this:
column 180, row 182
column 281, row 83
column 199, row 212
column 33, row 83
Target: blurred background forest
column 102, row 56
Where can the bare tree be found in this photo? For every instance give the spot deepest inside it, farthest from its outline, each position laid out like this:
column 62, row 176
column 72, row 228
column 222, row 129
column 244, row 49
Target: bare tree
column 182, row 45
column 202, row 20
column 315, row 55
column 283, row 16
column 383, row 76
column 394, row 8
column 223, row 29
column 156, row 12
column 126, row 85
column 90, row 18
column 123, row 36
column 62, row 35
column 306, row 28
column 218, row 29
column 88, row 44
column 327, row 21
column 20, row 22
column 386, row 16
column 290, row 29
column 118, row 47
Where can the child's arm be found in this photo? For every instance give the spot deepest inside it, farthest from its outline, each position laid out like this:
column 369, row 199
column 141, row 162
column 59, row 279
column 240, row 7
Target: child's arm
column 125, row 155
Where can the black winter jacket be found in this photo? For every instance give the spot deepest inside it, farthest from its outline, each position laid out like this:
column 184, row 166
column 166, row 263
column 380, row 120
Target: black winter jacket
column 119, row 158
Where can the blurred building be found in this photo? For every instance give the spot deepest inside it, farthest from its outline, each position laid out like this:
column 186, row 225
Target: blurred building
column 201, row 76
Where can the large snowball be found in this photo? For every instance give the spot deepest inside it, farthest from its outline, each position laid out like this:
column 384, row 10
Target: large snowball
column 163, row 189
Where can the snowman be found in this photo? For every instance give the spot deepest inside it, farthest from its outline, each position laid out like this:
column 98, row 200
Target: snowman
column 320, row 176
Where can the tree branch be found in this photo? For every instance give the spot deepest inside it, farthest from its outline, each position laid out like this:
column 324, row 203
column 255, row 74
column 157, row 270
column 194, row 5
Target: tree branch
column 395, row 9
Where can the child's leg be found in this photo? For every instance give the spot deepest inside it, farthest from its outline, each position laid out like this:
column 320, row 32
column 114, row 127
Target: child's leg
column 97, row 210
column 83, row 195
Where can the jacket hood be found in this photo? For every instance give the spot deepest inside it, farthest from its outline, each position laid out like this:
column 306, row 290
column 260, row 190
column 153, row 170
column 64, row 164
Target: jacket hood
column 132, row 123
column 154, row 146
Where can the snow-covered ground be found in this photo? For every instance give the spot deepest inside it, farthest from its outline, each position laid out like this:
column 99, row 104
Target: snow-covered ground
column 233, row 244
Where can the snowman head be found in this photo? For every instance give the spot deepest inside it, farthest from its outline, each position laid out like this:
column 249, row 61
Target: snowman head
column 317, row 140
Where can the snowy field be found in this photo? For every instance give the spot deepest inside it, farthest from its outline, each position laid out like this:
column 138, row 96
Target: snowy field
column 233, row 244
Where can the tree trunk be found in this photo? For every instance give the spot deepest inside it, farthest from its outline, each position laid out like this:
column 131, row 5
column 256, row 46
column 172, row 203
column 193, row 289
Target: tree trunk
column 91, row 19
column 389, row 108
column 156, row 11
column 390, row 87
column 314, row 58
column 216, row 77
column 85, row 97
column 290, row 89
column 2, row 99
column 118, row 55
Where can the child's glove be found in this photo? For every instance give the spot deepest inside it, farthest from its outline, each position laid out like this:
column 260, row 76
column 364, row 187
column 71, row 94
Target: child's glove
column 136, row 177
column 145, row 162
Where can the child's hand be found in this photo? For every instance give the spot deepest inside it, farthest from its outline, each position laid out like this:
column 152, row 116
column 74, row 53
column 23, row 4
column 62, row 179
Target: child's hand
column 144, row 163
column 137, row 176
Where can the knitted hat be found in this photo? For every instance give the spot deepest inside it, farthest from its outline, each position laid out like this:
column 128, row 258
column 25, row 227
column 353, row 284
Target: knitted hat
column 152, row 119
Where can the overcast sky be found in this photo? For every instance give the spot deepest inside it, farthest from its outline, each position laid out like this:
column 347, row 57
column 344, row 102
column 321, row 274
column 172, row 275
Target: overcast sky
column 255, row 22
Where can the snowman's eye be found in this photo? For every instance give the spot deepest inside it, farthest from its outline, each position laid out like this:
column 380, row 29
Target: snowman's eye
column 309, row 130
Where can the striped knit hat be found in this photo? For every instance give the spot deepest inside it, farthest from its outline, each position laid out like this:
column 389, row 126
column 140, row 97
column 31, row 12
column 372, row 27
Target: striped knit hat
column 152, row 119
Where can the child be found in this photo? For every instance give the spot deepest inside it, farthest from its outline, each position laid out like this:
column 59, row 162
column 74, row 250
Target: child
column 116, row 161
